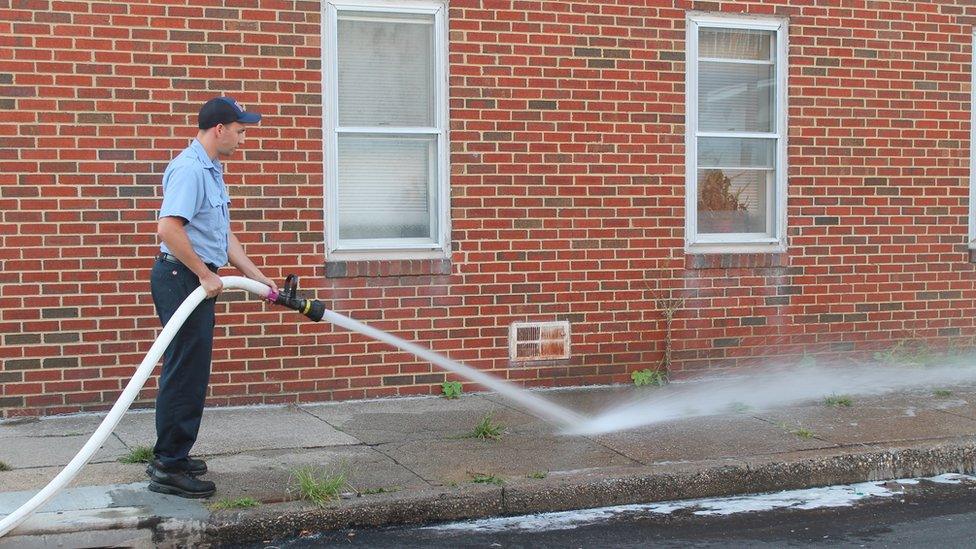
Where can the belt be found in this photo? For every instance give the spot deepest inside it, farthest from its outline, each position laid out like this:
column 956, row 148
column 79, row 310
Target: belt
column 163, row 256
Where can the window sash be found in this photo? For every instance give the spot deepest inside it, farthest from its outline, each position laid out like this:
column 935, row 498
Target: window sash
column 332, row 131
column 774, row 237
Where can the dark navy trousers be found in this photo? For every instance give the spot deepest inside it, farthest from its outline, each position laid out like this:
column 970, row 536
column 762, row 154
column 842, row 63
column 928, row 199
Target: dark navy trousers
column 186, row 363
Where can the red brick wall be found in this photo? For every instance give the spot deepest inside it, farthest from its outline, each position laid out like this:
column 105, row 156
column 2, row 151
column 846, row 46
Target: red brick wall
column 567, row 139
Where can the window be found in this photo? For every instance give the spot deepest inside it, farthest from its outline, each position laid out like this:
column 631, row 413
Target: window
column 386, row 128
column 736, row 134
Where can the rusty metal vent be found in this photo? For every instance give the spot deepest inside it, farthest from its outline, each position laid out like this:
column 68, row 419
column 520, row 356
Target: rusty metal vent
column 538, row 340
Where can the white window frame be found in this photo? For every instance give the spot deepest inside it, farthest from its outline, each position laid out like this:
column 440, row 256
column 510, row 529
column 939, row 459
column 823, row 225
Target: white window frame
column 972, row 146
column 400, row 248
column 776, row 214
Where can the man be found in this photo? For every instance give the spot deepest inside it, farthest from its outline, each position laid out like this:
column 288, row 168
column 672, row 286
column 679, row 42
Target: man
column 194, row 227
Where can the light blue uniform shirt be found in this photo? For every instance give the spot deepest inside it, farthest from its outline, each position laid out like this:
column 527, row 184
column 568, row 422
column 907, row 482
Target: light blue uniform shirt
column 193, row 188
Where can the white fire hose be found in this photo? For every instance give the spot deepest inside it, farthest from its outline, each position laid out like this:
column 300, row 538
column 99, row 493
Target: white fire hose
column 540, row 406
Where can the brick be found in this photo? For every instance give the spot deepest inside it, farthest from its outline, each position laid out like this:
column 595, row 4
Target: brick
column 568, row 195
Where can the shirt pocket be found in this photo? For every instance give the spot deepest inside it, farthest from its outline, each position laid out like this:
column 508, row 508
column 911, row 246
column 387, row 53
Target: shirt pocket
column 214, row 196
column 216, row 216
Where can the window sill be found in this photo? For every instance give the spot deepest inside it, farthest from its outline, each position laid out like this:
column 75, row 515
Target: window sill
column 736, row 261
column 357, row 268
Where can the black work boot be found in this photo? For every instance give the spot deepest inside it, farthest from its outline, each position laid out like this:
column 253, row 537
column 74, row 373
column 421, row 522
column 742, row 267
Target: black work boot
column 177, row 482
column 195, row 467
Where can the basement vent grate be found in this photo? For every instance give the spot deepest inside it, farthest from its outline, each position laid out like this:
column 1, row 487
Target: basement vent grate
column 529, row 341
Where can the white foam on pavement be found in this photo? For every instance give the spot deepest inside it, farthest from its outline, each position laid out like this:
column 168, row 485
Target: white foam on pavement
column 810, row 498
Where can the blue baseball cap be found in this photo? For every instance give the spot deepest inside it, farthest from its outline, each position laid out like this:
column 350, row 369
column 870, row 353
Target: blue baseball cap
column 224, row 110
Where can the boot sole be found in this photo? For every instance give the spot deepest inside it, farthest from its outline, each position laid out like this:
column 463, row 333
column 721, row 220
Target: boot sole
column 174, row 491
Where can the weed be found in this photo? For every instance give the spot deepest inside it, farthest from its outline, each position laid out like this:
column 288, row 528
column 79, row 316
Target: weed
column 800, row 432
column 649, row 377
column 836, row 401
column 139, row 454
column 380, row 490
column 487, row 429
column 4, row 466
column 807, row 361
column 739, row 407
column 239, row 503
column 909, row 353
column 318, row 487
column 943, row 393
column 451, row 389
column 487, row 478
column 538, row 474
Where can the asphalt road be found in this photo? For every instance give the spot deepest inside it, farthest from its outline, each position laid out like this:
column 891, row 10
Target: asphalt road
column 923, row 514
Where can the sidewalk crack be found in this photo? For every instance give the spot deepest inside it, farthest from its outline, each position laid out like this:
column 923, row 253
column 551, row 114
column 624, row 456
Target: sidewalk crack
column 394, row 460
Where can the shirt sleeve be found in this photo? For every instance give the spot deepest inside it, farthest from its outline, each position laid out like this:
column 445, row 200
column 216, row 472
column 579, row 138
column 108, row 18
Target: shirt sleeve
column 183, row 192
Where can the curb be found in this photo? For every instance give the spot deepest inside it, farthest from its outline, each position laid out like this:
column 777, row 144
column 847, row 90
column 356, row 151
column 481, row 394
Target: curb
column 595, row 488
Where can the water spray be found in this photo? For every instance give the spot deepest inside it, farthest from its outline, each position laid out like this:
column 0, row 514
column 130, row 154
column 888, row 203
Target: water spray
column 314, row 310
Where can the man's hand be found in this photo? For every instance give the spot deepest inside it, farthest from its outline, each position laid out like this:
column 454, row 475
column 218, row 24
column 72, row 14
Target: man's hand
column 265, row 280
column 212, row 284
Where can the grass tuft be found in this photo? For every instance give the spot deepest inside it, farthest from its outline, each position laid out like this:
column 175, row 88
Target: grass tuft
column 836, row 401
column 239, row 503
column 942, row 393
column 139, row 454
column 487, row 478
column 800, row 432
column 538, row 474
column 4, row 466
column 317, row 486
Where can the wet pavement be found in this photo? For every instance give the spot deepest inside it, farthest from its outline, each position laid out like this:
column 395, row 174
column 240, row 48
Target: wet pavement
column 409, row 461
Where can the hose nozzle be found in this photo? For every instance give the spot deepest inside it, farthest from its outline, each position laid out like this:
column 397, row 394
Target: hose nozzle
column 288, row 297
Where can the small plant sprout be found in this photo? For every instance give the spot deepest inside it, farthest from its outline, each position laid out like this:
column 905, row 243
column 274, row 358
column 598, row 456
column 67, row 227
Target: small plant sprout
column 487, row 429
column 739, row 407
column 802, row 433
column 4, row 466
column 647, row 376
column 380, row 490
column 807, row 361
column 451, row 389
column 538, row 474
column 797, row 431
column 316, row 486
column 836, row 401
column 139, row 454
column 943, row 393
column 239, row 503
column 486, row 478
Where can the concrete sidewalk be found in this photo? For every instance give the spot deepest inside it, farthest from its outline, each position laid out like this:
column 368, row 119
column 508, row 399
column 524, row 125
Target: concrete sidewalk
column 407, row 461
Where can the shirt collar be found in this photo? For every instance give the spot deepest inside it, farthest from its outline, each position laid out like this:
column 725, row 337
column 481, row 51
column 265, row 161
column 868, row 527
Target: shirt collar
column 197, row 147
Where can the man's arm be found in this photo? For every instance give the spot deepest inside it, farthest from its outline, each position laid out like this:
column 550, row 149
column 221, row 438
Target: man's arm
column 239, row 259
column 171, row 232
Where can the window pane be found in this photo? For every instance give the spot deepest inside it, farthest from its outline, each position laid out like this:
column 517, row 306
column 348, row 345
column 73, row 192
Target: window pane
column 386, row 187
column 754, row 45
column 722, row 152
column 386, row 70
column 736, row 98
column 733, row 201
